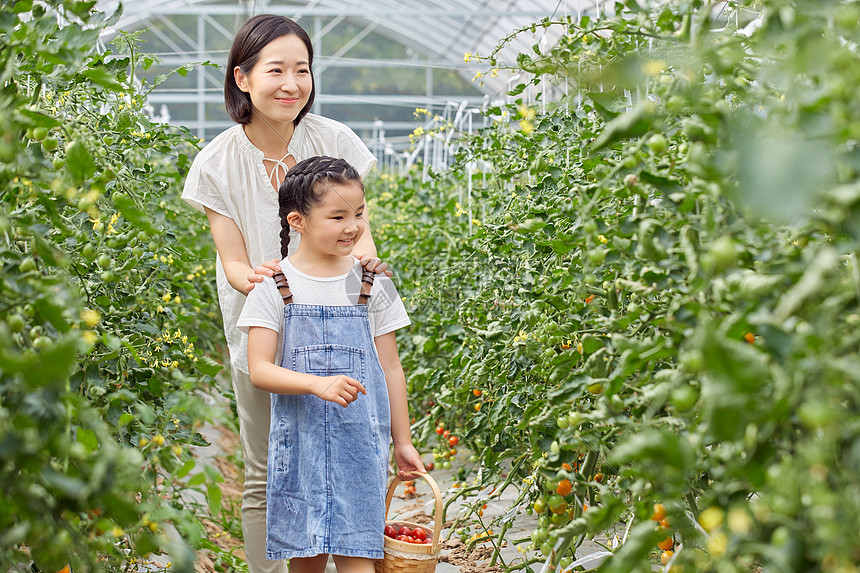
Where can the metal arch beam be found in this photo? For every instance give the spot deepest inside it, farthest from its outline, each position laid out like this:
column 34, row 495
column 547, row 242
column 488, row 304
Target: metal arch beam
column 347, row 47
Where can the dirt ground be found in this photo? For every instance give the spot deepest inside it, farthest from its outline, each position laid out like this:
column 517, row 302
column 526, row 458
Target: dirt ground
column 409, row 508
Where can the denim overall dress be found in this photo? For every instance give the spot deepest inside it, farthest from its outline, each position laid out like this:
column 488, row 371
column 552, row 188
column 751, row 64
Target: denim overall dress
column 328, row 465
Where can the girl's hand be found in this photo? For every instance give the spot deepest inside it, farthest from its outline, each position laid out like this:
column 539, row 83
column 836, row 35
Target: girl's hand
column 266, row 269
column 339, row 389
column 409, row 462
column 376, row 265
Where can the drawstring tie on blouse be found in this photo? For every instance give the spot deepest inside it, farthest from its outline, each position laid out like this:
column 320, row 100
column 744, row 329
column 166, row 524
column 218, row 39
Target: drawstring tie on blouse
column 279, row 164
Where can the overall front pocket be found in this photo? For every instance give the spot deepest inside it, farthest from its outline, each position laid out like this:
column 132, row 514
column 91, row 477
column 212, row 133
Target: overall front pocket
column 329, row 360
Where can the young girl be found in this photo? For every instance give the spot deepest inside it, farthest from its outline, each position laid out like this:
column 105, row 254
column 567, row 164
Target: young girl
column 268, row 92
column 321, row 340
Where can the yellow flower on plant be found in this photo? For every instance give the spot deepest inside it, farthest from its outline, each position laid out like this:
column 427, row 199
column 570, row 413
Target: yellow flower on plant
column 90, row 316
column 527, row 126
column 478, row 76
column 654, row 67
column 467, row 57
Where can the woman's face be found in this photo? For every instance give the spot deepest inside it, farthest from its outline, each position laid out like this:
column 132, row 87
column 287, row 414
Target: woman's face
column 280, row 82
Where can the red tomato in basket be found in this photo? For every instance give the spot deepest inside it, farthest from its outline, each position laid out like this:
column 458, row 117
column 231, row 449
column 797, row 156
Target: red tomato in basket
column 427, row 541
column 390, row 531
column 404, row 531
column 419, row 534
column 403, row 538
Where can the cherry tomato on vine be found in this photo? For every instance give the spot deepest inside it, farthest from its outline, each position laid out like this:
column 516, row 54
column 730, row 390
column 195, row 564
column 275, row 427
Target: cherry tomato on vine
column 564, row 487
column 453, row 441
column 666, row 544
column 659, row 512
column 439, row 430
column 666, row 556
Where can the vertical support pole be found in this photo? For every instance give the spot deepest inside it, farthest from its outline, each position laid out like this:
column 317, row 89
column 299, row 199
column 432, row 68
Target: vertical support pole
column 201, row 79
column 318, row 49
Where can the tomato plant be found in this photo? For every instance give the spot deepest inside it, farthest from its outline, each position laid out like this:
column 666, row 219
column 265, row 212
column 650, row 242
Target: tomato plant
column 653, row 275
column 108, row 316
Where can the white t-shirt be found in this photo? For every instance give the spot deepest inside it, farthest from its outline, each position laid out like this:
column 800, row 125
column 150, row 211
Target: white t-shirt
column 229, row 177
column 265, row 307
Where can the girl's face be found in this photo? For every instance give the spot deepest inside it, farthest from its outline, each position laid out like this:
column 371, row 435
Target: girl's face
column 333, row 226
column 280, row 83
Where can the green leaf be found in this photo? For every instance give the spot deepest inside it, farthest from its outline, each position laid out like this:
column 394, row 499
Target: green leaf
column 213, row 497
column 196, row 479
column 79, row 161
column 185, row 469
column 88, row 438
column 132, row 213
column 102, row 77
column 632, row 124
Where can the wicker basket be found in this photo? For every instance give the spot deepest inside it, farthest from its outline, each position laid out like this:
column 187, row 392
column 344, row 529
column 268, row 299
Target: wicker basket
column 403, row 557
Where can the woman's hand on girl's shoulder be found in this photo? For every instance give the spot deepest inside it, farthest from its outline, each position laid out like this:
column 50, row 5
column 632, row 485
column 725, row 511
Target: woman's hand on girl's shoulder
column 266, row 269
column 376, row 265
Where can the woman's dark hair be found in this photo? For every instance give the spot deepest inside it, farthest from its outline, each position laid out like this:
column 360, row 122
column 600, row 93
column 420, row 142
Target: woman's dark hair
column 305, row 186
column 251, row 38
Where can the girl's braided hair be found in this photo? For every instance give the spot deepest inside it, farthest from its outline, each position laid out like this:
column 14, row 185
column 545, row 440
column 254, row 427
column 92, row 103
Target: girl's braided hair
column 305, row 186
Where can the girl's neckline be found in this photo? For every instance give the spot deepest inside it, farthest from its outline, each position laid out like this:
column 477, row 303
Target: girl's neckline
column 289, row 264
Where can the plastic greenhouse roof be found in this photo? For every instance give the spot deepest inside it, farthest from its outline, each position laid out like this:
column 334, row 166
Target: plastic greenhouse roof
column 418, row 49
column 438, row 30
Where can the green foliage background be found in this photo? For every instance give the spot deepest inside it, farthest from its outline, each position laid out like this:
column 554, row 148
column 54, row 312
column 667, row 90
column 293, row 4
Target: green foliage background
column 660, row 286
column 108, row 310
column 650, row 290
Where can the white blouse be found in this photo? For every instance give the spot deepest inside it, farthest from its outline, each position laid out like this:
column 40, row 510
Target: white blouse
column 229, row 177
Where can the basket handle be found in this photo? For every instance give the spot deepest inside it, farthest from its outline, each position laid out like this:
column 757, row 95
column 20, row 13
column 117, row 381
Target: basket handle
column 436, row 494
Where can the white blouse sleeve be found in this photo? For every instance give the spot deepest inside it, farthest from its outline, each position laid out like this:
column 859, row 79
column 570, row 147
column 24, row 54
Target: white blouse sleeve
column 204, row 189
column 263, row 307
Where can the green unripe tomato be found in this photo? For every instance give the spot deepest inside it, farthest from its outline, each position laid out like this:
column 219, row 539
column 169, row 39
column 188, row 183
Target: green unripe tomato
column 40, row 133
column 546, row 549
column 684, row 398
column 104, row 261
column 590, row 227
column 562, row 422
column 89, row 252
column 543, row 523
column 658, row 143
column 723, row 253
column 109, row 276
column 16, row 323
column 27, row 265
column 40, row 343
column 50, row 144
column 597, row 256
column 58, row 162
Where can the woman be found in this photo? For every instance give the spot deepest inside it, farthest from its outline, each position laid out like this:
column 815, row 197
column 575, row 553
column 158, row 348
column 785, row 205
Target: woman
column 268, row 91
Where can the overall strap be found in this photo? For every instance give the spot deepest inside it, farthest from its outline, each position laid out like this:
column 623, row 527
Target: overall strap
column 283, row 287
column 366, row 285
